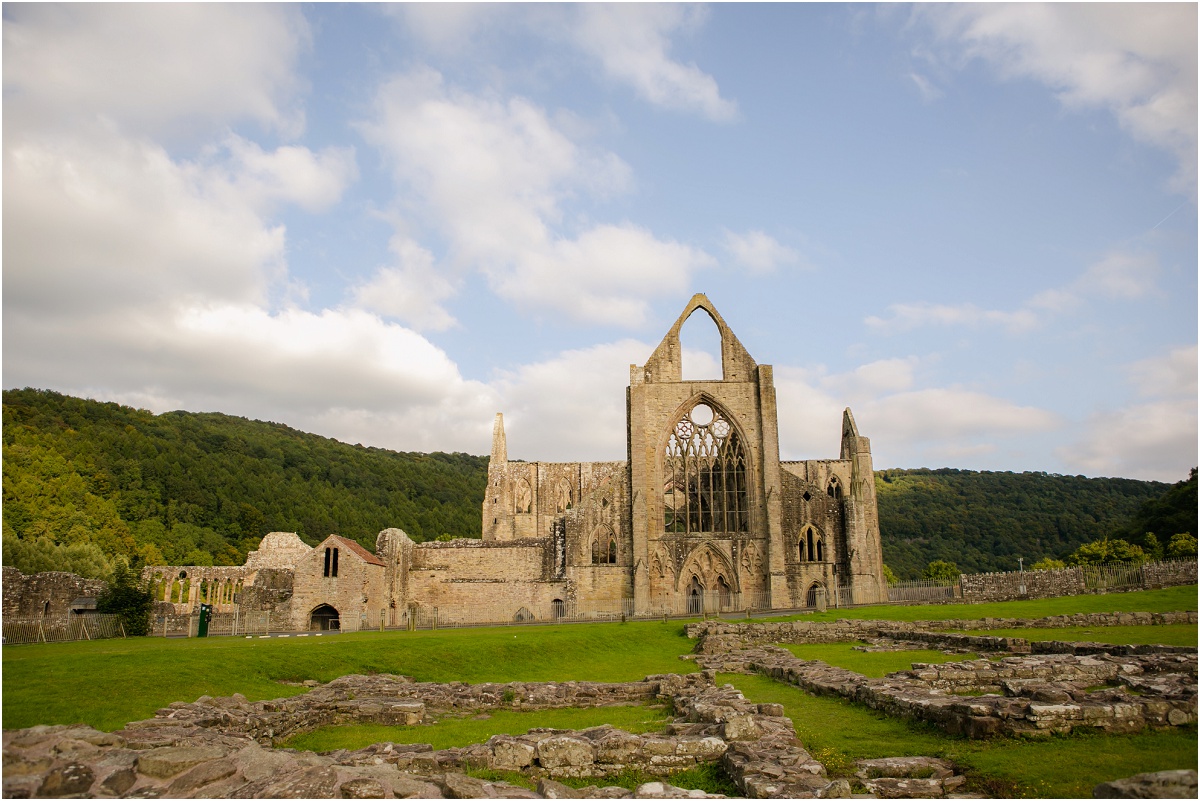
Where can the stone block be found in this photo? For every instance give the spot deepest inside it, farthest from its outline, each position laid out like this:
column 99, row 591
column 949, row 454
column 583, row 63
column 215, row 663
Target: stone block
column 1163, row 784
column 163, row 763
column 741, row 727
column 203, row 774
column 561, row 751
column 511, row 754
column 118, row 782
column 73, row 778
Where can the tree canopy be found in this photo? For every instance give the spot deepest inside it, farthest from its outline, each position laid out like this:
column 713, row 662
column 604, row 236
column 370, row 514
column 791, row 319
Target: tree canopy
column 87, row 482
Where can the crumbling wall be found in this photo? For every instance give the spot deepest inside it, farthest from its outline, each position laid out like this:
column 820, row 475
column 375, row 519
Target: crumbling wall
column 45, row 594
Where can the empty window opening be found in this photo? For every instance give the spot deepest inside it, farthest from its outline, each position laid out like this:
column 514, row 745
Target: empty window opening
column 700, row 348
column 835, row 488
column 331, row 562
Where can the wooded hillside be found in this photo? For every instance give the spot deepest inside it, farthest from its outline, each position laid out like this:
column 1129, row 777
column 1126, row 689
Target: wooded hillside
column 85, row 482
column 983, row 521
column 183, row 488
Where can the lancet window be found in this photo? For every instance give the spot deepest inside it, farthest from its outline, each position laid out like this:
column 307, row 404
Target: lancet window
column 705, row 484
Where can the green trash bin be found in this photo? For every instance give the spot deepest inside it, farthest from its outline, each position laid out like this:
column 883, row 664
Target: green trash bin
column 205, row 616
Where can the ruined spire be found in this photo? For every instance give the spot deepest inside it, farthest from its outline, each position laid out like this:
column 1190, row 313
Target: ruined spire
column 499, row 444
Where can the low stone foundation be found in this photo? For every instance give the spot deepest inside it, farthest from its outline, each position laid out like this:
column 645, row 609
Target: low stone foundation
column 1041, row 695
column 717, row 636
column 221, row 747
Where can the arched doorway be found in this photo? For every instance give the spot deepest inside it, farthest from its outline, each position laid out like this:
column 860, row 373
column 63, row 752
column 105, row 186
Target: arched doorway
column 816, row 595
column 695, row 597
column 723, row 592
column 324, row 618
column 558, row 608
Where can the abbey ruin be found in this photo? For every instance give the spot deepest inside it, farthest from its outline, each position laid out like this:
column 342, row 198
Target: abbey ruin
column 702, row 516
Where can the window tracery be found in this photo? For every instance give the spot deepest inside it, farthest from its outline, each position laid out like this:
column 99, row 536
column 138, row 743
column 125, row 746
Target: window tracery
column 705, row 475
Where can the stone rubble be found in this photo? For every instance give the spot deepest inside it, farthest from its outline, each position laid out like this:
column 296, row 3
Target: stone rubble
column 222, row 747
column 1040, row 695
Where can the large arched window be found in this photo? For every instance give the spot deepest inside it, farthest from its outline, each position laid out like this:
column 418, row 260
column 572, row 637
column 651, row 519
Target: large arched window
column 704, row 469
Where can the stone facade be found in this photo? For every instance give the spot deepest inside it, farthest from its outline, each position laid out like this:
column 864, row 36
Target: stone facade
column 702, row 516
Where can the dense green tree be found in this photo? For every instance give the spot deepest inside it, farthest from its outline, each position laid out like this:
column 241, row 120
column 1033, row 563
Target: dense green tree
column 889, row 576
column 1048, row 564
column 1173, row 512
column 984, row 520
column 1182, row 546
column 1106, row 551
column 941, row 570
column 126, row 596
column 182, row 488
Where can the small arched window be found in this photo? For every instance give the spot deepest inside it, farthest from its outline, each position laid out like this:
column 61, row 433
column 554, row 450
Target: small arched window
column 612, row 551
column 835, row 488
column 595, row 552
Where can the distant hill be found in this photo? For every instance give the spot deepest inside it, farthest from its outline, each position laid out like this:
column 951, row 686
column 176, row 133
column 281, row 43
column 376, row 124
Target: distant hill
column 86, row 481
column 983, row 521
column 185, row 488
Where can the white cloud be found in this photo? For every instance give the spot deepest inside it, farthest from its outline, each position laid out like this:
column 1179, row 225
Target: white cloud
column 929, row 92
column 492, row 175
column 908, row 316
column 1152, row 438
column 1119, row 275
column 412, row 290
column 153, row 68
column 632, row 41
column 570, row 407
column 1137, row 61
column 758, row 251
column 931, row 426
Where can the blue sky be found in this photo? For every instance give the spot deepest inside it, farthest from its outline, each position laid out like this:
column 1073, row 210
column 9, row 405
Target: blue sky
column 974, row 225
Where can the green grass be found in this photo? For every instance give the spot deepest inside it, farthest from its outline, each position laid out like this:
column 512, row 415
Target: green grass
column 1175, row 634
column 837, row 733
column 873, row 664
column 453, row 732
column 107, row 683
column 1173, row 599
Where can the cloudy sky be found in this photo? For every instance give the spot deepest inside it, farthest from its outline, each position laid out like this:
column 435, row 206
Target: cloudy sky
column 975, row 225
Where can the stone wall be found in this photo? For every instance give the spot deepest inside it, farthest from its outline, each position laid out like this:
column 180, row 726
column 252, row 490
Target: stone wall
column 44, row 594
column 1080, row 580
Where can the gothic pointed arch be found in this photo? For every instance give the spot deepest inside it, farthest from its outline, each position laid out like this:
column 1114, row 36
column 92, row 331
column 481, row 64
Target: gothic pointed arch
column 705, row 462
column 707, row 564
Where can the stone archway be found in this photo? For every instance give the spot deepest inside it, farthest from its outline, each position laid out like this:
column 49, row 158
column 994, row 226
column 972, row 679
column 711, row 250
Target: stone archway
column 695, row 597
column 324, row 618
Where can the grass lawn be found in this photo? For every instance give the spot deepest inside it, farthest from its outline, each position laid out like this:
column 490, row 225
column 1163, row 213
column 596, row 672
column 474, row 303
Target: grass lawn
column 837, row 733
column 451, row 732
column 107, row 683
column 1173, row 599
column 871, row 664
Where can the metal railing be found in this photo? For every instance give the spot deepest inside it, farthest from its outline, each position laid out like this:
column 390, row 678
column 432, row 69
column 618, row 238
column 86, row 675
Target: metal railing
column 923, row 590
column 69, row 628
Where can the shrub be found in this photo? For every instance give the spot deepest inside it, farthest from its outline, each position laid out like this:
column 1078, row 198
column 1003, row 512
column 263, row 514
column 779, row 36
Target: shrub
column 941, row 570
column 1182, row 546
column 125, row 596
column 1048, row 563
column 1106, row 551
